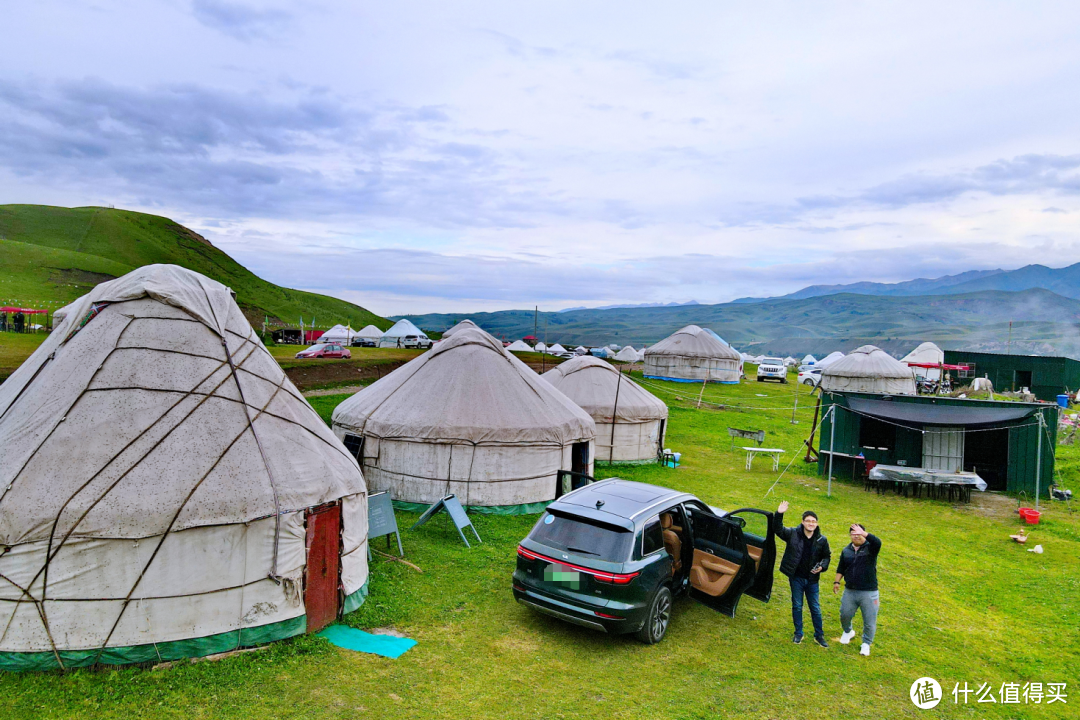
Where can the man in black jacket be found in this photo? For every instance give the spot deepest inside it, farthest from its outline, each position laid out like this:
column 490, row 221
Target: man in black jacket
column 806, row 557
column 858, row 565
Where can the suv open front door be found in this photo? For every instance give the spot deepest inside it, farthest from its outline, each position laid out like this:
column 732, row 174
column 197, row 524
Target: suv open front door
column 722, row 568
column 761, row 544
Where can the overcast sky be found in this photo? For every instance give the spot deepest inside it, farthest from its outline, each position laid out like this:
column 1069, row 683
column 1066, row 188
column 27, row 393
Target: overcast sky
column 434, row 156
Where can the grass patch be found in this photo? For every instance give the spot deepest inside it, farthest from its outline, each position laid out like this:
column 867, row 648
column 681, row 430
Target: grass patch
column 960, row 603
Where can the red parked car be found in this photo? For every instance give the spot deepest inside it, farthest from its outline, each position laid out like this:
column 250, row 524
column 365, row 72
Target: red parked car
column 325, row 350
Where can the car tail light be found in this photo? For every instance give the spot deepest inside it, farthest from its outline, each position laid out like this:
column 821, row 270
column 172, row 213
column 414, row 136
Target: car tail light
column 600, row 575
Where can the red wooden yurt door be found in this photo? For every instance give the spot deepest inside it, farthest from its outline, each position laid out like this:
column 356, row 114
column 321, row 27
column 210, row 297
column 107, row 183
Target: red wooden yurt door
column 323, row 578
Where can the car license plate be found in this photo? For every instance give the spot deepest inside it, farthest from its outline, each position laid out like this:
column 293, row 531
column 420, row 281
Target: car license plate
column 563, row 575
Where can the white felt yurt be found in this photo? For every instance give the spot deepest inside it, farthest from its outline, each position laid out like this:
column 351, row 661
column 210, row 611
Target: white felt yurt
column 395, row 336
column 519, row 346
column 829, row 359
column 925, row 354
column 370, row 333
column 692, row 355
column 460, row 326
column 869, row 369
column 540, row 347
column 467, row 418
column 556, row 348
column 627, row 354
column 630, row 421
column 167, row 491
column 581, row 350
column 340, row 334
column 809, row 360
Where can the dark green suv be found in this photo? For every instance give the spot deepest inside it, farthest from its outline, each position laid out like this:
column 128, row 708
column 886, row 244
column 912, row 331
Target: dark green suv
column 612, row 556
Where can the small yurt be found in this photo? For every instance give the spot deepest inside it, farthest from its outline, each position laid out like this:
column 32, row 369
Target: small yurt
column 829, row 359
column 370, row 333
column 581, row 350
column 340, row 334
column 540, row 347
column 925, row 354
column 627, row 354
column 630, row 421
column 556, row 348
column 168, row 492
column 869, row 369
column 468, row 418
column 395, row 336
column 692, row 355
column 641, row 355
column 809, row 360
column 519, row 346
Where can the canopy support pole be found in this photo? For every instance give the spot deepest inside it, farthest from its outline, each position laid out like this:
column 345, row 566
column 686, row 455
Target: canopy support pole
column 832, row 438
column 1038, row 459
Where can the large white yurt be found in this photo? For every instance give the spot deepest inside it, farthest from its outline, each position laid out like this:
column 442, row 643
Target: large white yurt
column 869, row 369
column 370, row 332
column 630, row 421
column 692, row 355
column 340, row 334
column 829, row 359
column 468, row 418
column 167, row 491
column 519, row 346
column 627, row 354
column 395, row 336
column 927, row 353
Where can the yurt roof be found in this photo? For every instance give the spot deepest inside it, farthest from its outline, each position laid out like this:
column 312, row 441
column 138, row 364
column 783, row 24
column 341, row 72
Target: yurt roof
column 370, row 332
column 130, row 420
column 519, row 346
column 467, row 389
column 867, row 361
column 338, row 331
column 829, row 359
column 402, row 328
column 627, row 354
column 593, row 384
column 540, row 347
column 927, row 352
column 460, row 326
column 713, row 333
column 809, row 359
column 693, row 341
column 556, row 348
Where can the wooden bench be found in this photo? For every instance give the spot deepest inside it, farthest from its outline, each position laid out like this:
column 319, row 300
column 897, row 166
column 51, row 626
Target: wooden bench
column 756, row 435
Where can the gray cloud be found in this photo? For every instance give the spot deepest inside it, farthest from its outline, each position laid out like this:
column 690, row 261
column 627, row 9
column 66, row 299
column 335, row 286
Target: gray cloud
column 240, row 21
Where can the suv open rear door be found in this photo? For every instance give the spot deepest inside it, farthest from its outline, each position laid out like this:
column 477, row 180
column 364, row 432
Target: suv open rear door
column 722, row 568
column 757, row 531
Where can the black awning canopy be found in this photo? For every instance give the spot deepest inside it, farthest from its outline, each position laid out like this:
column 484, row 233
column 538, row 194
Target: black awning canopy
column 931, row 414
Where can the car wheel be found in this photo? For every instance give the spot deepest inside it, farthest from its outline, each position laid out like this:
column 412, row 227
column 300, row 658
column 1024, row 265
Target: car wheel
column 807, row 382
column 658, row 619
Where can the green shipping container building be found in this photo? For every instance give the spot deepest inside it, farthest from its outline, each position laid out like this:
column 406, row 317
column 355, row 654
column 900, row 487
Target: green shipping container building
column 1046, row 377
column 998, row 440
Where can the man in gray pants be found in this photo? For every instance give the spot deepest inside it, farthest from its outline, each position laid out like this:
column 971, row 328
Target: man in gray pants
column 858, row 565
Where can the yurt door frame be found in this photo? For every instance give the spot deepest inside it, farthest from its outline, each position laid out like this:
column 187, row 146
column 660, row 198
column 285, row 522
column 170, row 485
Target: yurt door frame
column 943, row 448
column 322, row 578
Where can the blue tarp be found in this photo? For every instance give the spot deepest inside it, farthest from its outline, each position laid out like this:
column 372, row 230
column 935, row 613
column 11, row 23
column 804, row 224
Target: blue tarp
column 359, row 641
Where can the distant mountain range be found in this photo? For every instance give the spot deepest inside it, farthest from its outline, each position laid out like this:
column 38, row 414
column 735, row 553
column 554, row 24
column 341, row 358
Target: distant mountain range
column 1063, row 281
column 639, row 305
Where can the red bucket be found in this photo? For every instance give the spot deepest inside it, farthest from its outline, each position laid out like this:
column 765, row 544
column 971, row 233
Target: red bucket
column 1024, row 511
column 1031, row 517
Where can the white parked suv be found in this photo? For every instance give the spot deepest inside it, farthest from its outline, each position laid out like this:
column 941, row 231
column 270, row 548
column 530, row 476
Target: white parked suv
column 771, row 368
column 810, row 376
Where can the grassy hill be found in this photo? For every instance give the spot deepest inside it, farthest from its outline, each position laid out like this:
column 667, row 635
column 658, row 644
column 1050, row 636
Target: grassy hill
column 50, row 256
column 1043, row 322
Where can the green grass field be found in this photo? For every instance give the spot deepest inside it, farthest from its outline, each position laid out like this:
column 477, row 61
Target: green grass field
column 50, row 256
column 960, row 603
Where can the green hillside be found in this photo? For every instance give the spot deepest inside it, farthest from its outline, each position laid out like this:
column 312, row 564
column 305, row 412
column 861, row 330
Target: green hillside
column 1043, row 323
column 49, row 256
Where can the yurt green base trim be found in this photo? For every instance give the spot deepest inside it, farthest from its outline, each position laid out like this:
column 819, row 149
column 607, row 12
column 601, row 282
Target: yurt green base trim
column 174, row 650
column 522, row 509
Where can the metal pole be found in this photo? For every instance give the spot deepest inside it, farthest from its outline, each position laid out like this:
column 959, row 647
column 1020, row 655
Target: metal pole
column 793, row 420
column 1038, row 460
column 702, row 393
column 614, row 413
column 832, row 437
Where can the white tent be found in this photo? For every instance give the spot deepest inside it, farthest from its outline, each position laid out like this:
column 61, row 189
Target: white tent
column 641, row 355
column 630, row 421
column 395, row 336
column 157, row 482
column 519, row 346
column 809, row 360
column 467, row 418
column 540, row 347
column 556, row 348
column 829, row 359
column 340, row 334
column 370, row 332
column 581, row 350
column 869, row 369
column 790, row 361
column 927, row 352
column 627, row 354
column 692, row 355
